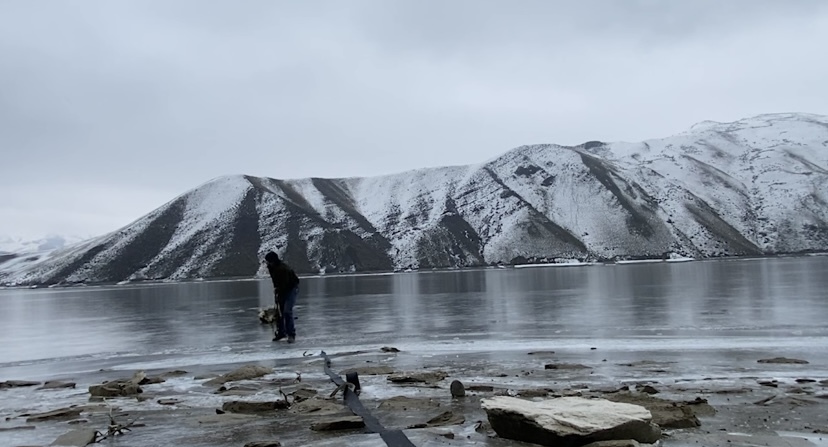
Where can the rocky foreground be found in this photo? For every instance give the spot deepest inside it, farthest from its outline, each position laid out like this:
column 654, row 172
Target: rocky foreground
column 548, row 402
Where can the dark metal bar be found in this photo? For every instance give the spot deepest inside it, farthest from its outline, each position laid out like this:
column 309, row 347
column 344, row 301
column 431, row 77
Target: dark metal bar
column 392, row 438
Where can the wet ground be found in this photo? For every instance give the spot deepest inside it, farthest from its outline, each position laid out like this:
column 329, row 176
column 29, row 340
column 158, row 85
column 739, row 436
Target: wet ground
column 755, row 403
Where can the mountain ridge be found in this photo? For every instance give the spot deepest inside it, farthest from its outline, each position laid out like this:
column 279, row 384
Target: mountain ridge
column 755, row 186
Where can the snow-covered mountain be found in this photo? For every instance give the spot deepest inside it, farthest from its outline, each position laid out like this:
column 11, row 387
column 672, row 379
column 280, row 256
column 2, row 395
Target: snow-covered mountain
column 751, row 187
column 18, row 245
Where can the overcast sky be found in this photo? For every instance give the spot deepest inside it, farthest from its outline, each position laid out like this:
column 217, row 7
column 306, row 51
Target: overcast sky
column 108, row 109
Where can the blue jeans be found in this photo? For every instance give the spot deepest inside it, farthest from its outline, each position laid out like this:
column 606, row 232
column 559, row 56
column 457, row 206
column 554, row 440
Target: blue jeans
column 284, row 324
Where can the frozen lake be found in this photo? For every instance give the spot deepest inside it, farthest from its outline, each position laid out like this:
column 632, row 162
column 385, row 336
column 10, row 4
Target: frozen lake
column 777, row 305
column 707, row 319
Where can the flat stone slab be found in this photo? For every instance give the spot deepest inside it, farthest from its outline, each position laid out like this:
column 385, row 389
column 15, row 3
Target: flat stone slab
column 784, row 360
column 446, row 418
column 75, row 438
column 55, row 384
column 341, row 423
column 169, row 401
column 238, row 390
column 246, row 372
column 482, row 388
column 59, row 414
column 319, row 407
column 238, row 406
column 569, row 421
column 542, row 392
column 17, row 383
column 18, row 427
column 418, row 377
column 303, row 394
column 443, row 419
column 115, row 389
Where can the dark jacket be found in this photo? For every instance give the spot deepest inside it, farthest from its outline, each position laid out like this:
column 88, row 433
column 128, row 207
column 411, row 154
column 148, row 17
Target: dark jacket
column 284, row 279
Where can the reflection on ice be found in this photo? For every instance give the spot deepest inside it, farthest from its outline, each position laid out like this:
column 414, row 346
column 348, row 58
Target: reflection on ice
column 700, row 324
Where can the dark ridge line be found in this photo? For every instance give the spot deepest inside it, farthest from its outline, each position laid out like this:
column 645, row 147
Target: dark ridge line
column 603, row 173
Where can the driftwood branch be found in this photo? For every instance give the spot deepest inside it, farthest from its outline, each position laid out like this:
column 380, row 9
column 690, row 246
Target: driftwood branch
column 342, row 388
column 284, row 396
column 114, row 429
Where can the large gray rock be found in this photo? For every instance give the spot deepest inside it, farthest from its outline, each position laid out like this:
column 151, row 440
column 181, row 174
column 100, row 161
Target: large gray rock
column 115, row 389
column 667, row 413
column 569, row 421
column 75, row 438
column 246, row 372
column 120, row 387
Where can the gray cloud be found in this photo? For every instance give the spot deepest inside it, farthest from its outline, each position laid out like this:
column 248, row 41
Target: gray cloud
column 147, row 99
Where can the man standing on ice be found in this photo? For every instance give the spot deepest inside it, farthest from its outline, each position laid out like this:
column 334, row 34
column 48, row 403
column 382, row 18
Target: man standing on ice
column 286, row 289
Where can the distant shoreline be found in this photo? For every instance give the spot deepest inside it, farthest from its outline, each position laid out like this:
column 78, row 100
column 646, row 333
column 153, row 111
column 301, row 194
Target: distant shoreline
column 620, row 262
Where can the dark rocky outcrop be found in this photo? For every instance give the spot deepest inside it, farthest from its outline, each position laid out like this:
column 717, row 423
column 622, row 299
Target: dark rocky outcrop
column 667, row 413
column 115, row 389
column 339, row 423
column 252, row 407
column 427, row 377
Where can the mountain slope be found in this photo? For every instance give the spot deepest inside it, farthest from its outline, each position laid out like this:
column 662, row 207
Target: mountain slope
column 10, row 245
column 755, row 186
